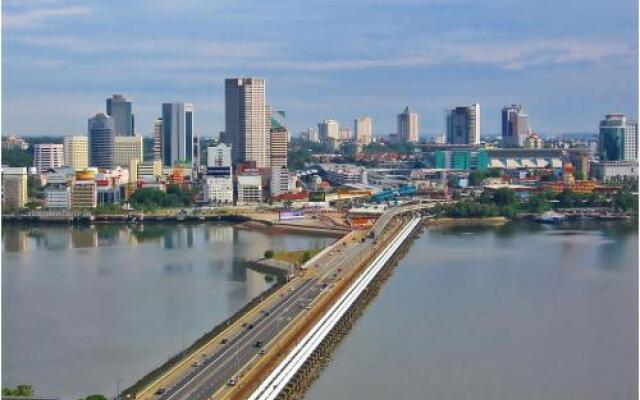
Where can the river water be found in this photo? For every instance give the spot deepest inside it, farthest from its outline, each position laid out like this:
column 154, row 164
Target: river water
column 523, row 311
column 84, row 307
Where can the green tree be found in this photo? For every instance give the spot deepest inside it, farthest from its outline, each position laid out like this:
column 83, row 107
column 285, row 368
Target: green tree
column 624, row 201
column 16, row 157
column 566, row 199
column 538, row 203
column 19, row 391
column 504, row 197
column 476, row 177
column 95, row 397
column 306, row 256
column 268, row 254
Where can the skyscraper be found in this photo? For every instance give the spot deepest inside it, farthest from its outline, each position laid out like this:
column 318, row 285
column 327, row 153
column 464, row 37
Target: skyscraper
column 177, row 133
column 515, row 126
column 157, row 139
column 278, row 143
column 120, row 109
column 247, row 120
column 329, row 129
column 618, row 139
column 363, row 127
column 408, row 126
column 463, row 125
column 101, row 132
column 76, row 152
column 127, row 149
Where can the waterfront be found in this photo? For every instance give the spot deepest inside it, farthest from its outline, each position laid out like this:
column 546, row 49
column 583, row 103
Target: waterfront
column 85, row 306
column 522, row 311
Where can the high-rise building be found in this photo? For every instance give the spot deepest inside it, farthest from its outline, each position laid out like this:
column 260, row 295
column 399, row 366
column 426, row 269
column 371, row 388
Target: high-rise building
column 101, row 141
column 463, row 125
column 177, row 133
column 128, row 148
column 14, row 187
column 408, row 126
column 618, row 139
column 157, row 139
column 311, row 134
column 48, row 155
column 344, row 133
column 247, row 120
column 363, row 127
column 218, row 181
column 278, row 143
column 76, row 152
column 120, row 109
column 329, row 129
column 515, row 126
column 281, row 181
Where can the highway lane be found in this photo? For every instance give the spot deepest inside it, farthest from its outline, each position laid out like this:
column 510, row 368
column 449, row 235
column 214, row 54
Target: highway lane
column 213, row 372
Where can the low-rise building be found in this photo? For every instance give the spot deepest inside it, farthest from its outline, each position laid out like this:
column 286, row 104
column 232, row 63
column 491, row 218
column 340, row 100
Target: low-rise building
column 57, row 195
column 48, row 155
column 462, row 160
column 282, row 181
column 84, row 194
column 249, row 189
column 344, row 174
column 606, row 171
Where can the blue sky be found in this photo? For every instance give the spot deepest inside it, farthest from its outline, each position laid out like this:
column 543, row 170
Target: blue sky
column 568, row 62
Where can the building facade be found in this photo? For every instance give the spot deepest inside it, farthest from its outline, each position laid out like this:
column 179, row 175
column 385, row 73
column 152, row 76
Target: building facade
column 121, row 110
column 84, row 194
column 462, row 160
column 249, row 189
column 101, row 141
column 515, row 126
column 48, row 155
column 463, row 125
column 177, row 134
column 618, row 138
column 218, row 181
column 329, row 129
column 363, row 130
column 408, row 126
column 606, row 171
column 247, row 120
column 128, row 148
column 278, row 143
column 14, row 187
column 76, row 152
column 281, row 181
column 157, row 139
column 57, row 195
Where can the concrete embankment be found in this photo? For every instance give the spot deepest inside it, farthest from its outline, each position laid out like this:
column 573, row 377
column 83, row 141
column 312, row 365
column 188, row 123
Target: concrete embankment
column 468, row 221
column 267, row 226
column 282, row 269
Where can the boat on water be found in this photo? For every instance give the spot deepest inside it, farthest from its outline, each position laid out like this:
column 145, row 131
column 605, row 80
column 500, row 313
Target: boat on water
column 550, row 217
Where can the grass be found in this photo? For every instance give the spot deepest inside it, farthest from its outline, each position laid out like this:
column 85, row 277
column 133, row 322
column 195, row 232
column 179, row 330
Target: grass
column 295, row 256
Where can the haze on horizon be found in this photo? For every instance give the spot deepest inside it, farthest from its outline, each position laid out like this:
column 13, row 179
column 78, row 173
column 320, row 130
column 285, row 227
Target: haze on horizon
column 568, row 62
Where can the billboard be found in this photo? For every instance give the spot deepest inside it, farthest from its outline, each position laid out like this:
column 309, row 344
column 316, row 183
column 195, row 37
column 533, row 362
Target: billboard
column 295, row 214
column 316, row 197
column 219, row 171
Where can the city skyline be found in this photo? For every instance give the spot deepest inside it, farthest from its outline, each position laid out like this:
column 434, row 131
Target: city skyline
column 547, row 64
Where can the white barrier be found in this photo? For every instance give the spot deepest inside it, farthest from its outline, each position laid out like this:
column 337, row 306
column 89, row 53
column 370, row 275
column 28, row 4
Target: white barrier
column 282, row 374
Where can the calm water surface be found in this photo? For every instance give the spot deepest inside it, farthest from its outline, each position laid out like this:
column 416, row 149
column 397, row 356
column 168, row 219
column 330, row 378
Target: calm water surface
column 518, row 312
column 83, row 307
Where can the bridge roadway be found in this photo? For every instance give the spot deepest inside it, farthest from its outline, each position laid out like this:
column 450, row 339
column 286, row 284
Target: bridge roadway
column 231, row 359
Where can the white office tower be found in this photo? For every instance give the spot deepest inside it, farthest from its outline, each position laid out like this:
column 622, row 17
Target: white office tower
column 57, row 193
column 76, row 152
column 46, row 156
column 128, row 148
column 249, row 189
column 281, row 181
column 311, row 134
column 408, row 126
column 218, row 181
column 329, row 129
column 363, row 128
column 247, row 120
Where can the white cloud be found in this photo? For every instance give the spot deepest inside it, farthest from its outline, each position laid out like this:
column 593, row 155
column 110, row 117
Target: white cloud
column 32, row 18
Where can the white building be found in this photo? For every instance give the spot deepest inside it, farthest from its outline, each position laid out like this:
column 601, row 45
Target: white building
column 282, row 181
column 57, row 195
column 247, row 120
column 329, row 129
column 219, row 155
column 343, row 174
column 76, row 152
column 249, row 189
column 363, row 129
column 14, row 186
column 128, row 148
column 605, row 171
column 311, row 134
column 48, row 155
column 218, row 181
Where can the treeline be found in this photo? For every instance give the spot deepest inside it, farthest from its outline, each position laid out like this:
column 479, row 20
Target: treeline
column 504, row 202
column 152, row 198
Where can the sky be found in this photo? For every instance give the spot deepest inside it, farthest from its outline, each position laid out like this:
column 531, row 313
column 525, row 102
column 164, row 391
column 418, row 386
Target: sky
column 568, row 62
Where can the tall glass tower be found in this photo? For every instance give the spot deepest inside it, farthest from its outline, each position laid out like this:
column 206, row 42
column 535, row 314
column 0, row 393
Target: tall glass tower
column 120, row 109
column 177, row 133
column 618, row 139
column 101, row 132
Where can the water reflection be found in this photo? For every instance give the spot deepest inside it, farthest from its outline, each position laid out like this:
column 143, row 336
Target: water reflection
column 68, row 293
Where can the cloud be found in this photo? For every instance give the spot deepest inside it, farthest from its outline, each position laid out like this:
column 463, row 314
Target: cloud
column 32, row 18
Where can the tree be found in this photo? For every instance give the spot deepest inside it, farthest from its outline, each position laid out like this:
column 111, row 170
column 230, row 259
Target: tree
column 95, row 397
column 268, row 254
column 504, row 197
column 624, row 201
column 538, row 203
column 18, row 391
column 16, row 157
column 579, row 175
column 306, row 256
column 476, row 177
column 566, row 199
